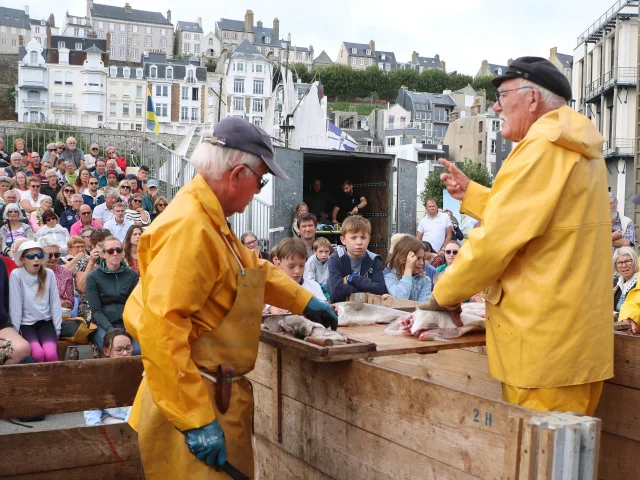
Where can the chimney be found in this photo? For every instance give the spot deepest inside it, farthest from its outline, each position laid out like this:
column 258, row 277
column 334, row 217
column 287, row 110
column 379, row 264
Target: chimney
column 437, row 57
column 310, row 52
column 372, row 45
column 49, row 36
column 108, row 47
column 52, row 20
column 444, row 66
column 200, row 21
column 89, row 7
column 276, row 28
column 553, row 53
column 26, row 10
column 414, row 57
column 20, row 41
column 127, row 8
column 248, row 21
column 168, row 17
column 289, row 38
column 260, row 23
column 509, row 62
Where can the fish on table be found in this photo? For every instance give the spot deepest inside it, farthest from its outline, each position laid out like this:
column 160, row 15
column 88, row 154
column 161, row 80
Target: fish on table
column 358, row 313
column 302, row 328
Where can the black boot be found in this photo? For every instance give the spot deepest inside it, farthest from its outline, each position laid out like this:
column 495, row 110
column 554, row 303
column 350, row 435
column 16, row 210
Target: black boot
column 37, row 418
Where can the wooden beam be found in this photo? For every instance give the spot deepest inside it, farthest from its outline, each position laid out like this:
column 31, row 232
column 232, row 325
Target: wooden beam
column 44, row 451
column 129, row 470
column 626, row 360
column 277, row 394
column 546, row 452
column 274, row 463
column 512, row 446
column 617, row 409
column 528, row 452
column 65, row 387
column 618, row 458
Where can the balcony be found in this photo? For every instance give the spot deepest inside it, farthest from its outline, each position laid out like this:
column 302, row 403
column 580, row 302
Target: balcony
column 370, row 148
column 63, row 106
column 607, row 21
column 33, row 84
column 97, row 89
column 33, row 103
column 618, row 147
column 190, row 80
column 617, row 77
column 408, row 128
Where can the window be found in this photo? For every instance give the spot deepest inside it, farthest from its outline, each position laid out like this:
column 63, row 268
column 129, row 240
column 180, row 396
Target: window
column 161, row 109
column 112, row 51
column 238, row 85
column 238, row 104
column 163, row 32
column 441, row 114
column 61, row 44
column 187, row 36
column 37, row 29
column 493, row 146
column 429, row 129
column 169, row 72
column 33, row 57
column 100, row 118
column 76, row 32
column 125, row 109
column 195, row 93
column 112, row 108
column 184, row 113
column 153, row 72
column 112, row 26
column 138, row 127
column 134, row 53
column 194, row 114
column 148, row 30
column 112, row 37
column 480, row 125
column 368, row 51
column 38, row 40
column 495, row 125
column 185, row 93
column 113, row 71
column 267, row 39
column 138, row 90
column 138, row 71
column 259, row 68
column 196, row 36
column 101, row 35
column 360, row 61
column 123, row 38
column 211, row 42
column 353, row 60
column 258, row 87
column 196, row 49
column 258, row 105
column 134, row 29
column 391, row 142
column 138, row 109
column 439, row 131
column 122, row 27
column 78, row 45
column 163, row 42
column 68, row 78
column 257, row 121
column 122, row 52
column 187, row 47
column 382, row 56
column 57, row 78
column 354, row 51
column 134, row 40
column 238, row 66
column 147, row 41
column 387, row 67
column 162, row 91
column 100, row 24
column 480, row 147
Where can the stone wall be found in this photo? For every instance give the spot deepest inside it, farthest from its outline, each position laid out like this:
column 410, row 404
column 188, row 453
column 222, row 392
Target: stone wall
column 8, row 78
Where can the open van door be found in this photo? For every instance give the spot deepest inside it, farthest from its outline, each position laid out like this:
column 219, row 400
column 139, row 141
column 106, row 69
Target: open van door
column 286, row 194
column 406, row 195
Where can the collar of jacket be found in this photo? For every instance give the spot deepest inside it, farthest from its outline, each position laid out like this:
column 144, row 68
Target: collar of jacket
column 103, row 267
column 209, row 202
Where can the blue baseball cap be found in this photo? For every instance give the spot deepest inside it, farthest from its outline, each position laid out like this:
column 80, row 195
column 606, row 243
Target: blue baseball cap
column 239, row 134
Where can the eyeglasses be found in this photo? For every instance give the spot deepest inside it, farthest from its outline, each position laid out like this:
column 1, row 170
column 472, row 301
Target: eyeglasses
column 68, row 190
column 451, row 252
column 85, row 213
column 34, row 158
column 53, row 149
column 62, row 148
column 111, row 251
column 93, row 183
column 263, row 180
column 125, row 187
column 86, row 236
column 503, row 92
column 94, row 149
column 624, row 262
column 33, row 256
column 35, row 186
column 121, row 350
column 254, row 242
column 136, row 201
column 55, row 255
column 162, row 204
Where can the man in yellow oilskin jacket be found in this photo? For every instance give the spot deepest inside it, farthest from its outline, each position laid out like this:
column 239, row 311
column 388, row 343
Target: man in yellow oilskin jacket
column 197, row 314
column 542, row 254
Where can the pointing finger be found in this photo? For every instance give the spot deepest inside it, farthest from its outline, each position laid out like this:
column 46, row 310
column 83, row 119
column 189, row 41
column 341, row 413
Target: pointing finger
column 445, row 163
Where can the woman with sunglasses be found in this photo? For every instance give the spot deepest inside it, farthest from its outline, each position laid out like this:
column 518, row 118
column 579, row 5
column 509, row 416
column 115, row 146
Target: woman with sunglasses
column 159, row 206
column 82, row 180
column 135, row 213
column 125, row 191
column 92, row 157
column 131, row 241
column 117, row 343
column 52, row 230
column 35, row 219
column 13, row 227
column 64, row 278
column 63, row 199
column 450, row 251
column 20, row 184
column 34, row 303
column 108, row 288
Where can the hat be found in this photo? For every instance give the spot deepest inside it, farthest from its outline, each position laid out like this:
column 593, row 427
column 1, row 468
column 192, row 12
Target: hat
column 94, row 145
column 112, row 172
column 152, row 183
column 539, row 71
column 237, row 133
column 28, row 245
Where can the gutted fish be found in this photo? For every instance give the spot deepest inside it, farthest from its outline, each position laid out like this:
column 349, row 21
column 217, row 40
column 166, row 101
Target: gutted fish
column 358, row 313
column 299, row 327
column 434, row 325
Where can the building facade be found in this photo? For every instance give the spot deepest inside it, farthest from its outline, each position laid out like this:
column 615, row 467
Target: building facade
column 32, row 94
column 605, row 74
column 126, row 98
column 563, row 62
column 358, row 56
column 421, row 64
column 15, row 29
column 188, row 38
column 248, row 74
column 211, row 47
column 491, row 69
column 431, row 108
column 293, row 54
column 322, row 60
column 474, row 138
column 75, row 26
column 39, row 29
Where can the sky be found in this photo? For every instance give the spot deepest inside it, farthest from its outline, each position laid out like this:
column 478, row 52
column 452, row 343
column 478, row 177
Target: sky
column 463, row 33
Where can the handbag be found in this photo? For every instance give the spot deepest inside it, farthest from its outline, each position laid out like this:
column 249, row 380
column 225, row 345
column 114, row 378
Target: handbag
column 76, row 330
column 5, row 350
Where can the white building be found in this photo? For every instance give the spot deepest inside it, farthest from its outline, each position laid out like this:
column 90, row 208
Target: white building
column 177, row 90
column 296, row 54
column 211, row 48
column 189, row 38
column 248, row 83
column 75, row 26
column 32, row 99
column 605, row 64
column 39, row 29
column 126, row 98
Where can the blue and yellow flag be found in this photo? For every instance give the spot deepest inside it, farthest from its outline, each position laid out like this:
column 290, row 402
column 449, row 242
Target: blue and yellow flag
column 152, row 119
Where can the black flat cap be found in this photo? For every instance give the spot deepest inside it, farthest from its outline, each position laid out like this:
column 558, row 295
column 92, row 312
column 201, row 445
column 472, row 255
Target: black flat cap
column 539, row 71
column 239, row 134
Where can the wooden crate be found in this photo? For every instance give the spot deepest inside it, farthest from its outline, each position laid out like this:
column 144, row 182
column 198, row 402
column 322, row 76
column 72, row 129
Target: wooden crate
column 392, row 302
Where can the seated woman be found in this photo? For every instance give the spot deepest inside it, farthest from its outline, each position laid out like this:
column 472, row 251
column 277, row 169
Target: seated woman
column 13, row 229
column 450, row 251
column 159, row 206
column 35, row 219
column 406, row 278
column 135, row 213
column 75, row 251
column 131, row 240
column 117, row 343
column 51, row 229
column 13, row 347
column 108, row 288
column 625, row 264
column 84, row 265
column 250, row 241
column 300, row 209
column 64, row 277
column 34, row 303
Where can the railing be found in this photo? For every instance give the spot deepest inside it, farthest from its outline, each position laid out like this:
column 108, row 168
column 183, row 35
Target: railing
column 31, row 83
column 63, row 105
column 593, row 89
column 371, row 148
column 626, row 75
column 190, row 80
column 618, row 147
column 605, row 18
column 404, row 126
column 33, row 103
column 256, row 218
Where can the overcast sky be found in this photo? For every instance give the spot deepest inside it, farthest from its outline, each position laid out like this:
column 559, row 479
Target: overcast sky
column 463, row 32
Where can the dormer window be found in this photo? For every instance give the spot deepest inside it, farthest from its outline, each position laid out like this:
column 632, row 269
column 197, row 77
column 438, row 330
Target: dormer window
column 113, row 71
column 267, row 39
column 382, row 57
column 138, row 73
column 169, row 72
column 354, row 51
column 368, row 51
column 153, row 71
column 61, row 44
column 126, row 72
column 33, row 57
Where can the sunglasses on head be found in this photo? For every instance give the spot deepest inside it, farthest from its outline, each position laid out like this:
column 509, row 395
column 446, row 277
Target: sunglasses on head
column 449, row 252
column 33, row 256
column 111, row 251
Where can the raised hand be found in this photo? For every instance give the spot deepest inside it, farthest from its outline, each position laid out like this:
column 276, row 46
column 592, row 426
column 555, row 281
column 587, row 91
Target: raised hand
column 455, row 181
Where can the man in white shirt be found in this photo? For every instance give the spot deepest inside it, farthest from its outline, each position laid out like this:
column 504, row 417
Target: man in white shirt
column 31, row 200
column 118, row 226
column 104, row 212
column 435, row 227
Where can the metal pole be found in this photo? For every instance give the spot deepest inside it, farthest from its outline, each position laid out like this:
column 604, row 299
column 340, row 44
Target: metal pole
column 220, row 100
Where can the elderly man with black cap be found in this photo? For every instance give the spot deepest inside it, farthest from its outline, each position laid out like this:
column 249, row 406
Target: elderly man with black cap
column 542, row 253
column 197, row 313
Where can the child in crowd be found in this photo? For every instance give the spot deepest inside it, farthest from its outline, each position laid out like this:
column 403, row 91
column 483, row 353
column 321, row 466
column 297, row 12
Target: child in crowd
column 291, row 258
column 353, row 268
column 34, row 302
column 117, row 343
column 406, row 278
column 317, row 267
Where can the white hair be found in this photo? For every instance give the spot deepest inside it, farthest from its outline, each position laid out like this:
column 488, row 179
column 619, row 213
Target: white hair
column 622, row 251
column 16, row 156
column 111, row 192
column 45, row 197
column 48, row 241
column 549, row 99
column 76, row 196
column 12, row 207
column 51, row 171
column 213, row 161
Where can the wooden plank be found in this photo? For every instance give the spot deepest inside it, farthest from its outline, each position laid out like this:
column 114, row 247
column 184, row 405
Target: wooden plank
column 43, row 451
column 512, row 445
column 626, row 360
column 455, row 428
column 277, row 394
column 391, row 302
column 65, row 387
column 460, row 369
column 618, row 458
column 274, row 463
column 546, row 452
column 129, row 470
column 618, row 412
column 528, row 452
column 343, row 451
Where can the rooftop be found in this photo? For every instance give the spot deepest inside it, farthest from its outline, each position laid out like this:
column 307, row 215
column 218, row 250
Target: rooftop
column 247, row 50
column 566, row 60
column 429, row 62
column 190, row 27
column 234, row 25
column 12, row 17
column 361, row 49
column 119, row 13
column 261, row 33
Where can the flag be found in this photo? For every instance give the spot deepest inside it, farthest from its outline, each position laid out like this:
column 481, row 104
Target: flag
column 339, row 140
column 152, row 119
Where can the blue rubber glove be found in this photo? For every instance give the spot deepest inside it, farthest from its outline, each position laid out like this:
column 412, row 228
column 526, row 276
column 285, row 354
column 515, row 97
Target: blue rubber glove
column 351, row 277
column 320, row 312
column 207, row 444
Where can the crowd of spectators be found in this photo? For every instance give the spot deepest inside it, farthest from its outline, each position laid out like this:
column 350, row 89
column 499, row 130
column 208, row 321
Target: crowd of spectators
column 71, row 224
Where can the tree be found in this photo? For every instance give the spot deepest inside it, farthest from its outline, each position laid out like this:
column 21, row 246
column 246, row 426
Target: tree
column 433, row 186
column 484, row 83
column 178, row 56
column 211, row 66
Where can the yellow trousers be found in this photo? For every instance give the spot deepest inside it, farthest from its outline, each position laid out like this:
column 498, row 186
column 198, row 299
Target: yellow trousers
column 575, row 398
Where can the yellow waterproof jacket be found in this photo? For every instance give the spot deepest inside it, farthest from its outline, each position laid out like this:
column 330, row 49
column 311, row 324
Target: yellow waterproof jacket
column 543, row 252
column 188, row 284
column 631, row 306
